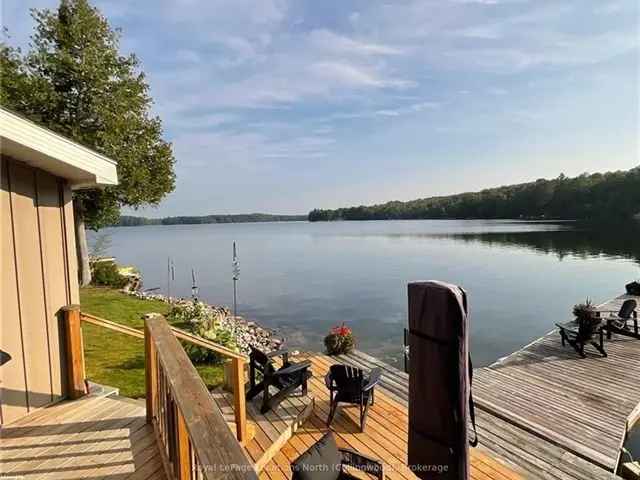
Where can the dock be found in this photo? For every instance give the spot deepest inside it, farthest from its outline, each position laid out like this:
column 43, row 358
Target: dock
column 543, row 410
column 384, row 438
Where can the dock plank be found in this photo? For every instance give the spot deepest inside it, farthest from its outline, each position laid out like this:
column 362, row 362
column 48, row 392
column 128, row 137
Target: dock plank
column 385, row 436
column 580, row 404
column 508, row 442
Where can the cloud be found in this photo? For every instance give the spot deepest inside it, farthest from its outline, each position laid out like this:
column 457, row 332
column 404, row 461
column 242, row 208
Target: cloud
column 385, row 112
column 354, row 76
column 331, row 42
column 242, row 151
column 415, row 108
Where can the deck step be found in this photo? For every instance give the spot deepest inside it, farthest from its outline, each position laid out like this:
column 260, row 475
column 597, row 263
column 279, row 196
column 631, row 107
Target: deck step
column 274, row 428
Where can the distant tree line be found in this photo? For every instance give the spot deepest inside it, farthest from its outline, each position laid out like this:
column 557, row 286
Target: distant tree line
column 600, row 196
column 133, row 221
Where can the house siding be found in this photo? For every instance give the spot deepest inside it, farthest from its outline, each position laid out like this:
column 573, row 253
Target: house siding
column 39, row 277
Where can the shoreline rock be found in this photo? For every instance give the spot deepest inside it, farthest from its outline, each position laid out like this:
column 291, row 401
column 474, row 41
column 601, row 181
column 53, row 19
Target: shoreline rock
column 246, row 332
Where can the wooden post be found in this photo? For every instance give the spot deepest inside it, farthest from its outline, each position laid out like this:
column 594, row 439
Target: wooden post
column 150, row 375
column 240, row 408
column 75, row 355
column 184, row 457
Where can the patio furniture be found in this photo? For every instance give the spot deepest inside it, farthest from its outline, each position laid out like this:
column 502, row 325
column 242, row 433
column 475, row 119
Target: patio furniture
column 579, row 333
column 325, row 461
column 285, row 379
column 618, row 322
column 349, row 384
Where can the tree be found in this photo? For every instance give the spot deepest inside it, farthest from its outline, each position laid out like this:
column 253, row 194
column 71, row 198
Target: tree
column 75, row 82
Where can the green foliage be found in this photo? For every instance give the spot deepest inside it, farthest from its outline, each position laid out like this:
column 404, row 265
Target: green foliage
column 106, row 274
column 203, row 321
column 115, row 359
column 585, row 314
column 340, row 340
column 584, row 310
column 74, row 81
column 131, row 221
column 611, row 196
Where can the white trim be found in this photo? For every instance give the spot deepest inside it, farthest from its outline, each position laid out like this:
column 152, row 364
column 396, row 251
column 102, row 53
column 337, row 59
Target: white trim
column 42, row 148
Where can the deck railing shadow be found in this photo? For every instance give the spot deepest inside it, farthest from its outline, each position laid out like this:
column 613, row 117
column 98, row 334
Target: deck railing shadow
column 17, row 432
column 121, row 455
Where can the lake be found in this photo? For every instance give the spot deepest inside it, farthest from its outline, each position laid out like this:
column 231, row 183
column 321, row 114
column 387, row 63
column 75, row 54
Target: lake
column 303, row 278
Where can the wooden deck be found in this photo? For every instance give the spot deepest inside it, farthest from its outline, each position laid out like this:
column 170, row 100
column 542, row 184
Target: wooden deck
column 385, row 436
column 578, row 404
column 521, row 450
column 543, row 410
column 267, row 433
column 94, row 437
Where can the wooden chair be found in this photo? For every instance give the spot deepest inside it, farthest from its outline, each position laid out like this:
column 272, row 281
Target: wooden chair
column 579, row 333
column 618, row 322
column 285, row 379
column 348, row 384
column 325, row 461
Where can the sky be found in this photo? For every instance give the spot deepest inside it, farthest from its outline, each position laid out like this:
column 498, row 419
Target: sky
column 284, row 106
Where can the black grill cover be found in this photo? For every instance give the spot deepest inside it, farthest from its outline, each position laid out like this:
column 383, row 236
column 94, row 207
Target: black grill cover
column 438, row 381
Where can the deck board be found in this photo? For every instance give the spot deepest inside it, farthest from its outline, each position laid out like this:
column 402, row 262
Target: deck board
column 543, row 408
column 270, row 431
column 385, row 436
column 525, row 452
column 578, row 404
column 94, row 437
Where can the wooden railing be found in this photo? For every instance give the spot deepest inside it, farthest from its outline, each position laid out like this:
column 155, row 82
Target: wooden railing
column 238, row 362
column 191, row 431
column 177, row 399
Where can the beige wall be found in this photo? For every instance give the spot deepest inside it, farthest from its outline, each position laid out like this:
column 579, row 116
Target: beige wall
column 39, row 276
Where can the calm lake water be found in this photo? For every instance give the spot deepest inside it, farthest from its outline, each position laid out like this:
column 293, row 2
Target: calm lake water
column 302, row 278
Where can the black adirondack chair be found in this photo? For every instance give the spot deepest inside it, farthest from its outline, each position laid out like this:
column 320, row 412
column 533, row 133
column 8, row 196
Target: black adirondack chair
column 578, row 333
column 325, row 461
column 285, row 379
column 348, row 384
column 619, row 322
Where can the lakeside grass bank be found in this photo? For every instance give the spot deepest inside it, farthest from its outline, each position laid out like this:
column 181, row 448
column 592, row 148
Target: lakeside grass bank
column 116, row 359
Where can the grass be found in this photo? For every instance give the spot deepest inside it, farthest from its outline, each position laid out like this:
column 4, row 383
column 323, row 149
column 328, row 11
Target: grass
column 115, row 359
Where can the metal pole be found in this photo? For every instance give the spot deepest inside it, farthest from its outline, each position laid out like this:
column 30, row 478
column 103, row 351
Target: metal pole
column 235, row 307
column 236, row 275
column 194, row 286
column 169, row 277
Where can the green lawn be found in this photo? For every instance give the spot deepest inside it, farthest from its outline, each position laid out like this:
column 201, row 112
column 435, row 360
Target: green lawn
column 116, row 359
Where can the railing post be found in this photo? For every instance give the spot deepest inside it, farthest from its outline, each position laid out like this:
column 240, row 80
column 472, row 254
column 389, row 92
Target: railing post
column 149, row 371
column 74, row 352
column 240, row 408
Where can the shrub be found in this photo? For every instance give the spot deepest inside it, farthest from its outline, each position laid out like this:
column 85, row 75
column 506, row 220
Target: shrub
column 203, row 321
column 107, row 274
column 584, row 310
column 340, row 340
column 585, row 314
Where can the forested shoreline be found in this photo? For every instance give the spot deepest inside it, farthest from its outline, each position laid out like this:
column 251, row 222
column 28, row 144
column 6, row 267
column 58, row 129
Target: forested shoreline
column 599, row 196
column 133, row 221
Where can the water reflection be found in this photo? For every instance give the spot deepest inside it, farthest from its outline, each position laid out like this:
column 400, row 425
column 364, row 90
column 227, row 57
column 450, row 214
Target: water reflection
column 581, row 241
